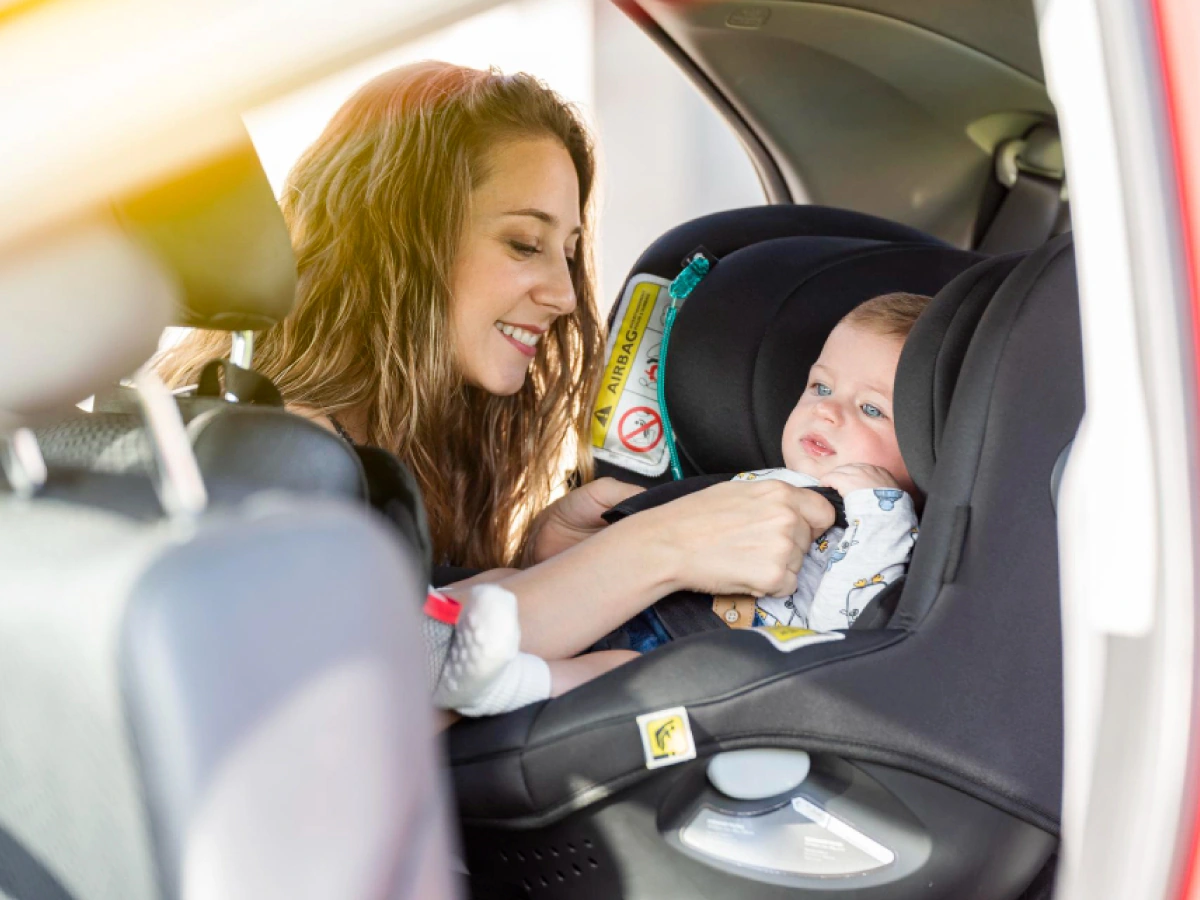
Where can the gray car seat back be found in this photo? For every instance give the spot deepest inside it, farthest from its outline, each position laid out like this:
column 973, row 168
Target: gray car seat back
column 212, row 704
column 235, row 712
column 219, row 229
column 220, row 233
column 52, row 354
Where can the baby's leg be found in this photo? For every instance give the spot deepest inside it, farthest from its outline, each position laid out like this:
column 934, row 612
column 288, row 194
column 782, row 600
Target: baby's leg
column 568, row 674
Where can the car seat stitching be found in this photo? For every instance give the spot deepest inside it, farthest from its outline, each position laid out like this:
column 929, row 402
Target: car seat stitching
column 896, row 636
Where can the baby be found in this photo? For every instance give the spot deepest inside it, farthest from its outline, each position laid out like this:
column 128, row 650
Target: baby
column 842, row 435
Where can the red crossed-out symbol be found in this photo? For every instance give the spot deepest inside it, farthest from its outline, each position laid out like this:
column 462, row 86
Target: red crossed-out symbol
column 640, row 429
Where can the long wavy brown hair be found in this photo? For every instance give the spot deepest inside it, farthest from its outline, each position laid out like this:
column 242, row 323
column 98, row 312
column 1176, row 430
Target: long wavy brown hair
column 376, row 209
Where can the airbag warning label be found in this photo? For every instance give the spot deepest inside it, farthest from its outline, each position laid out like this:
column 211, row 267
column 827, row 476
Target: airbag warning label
column 627, row 425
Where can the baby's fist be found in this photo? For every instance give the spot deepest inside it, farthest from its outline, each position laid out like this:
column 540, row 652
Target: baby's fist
column 858, row 476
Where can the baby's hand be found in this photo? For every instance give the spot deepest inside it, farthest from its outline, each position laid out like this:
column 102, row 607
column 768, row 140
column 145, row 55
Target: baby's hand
column 858, row 476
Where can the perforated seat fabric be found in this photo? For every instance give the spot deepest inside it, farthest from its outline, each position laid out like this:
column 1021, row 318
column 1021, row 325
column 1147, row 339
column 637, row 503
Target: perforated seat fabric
column 239, row 448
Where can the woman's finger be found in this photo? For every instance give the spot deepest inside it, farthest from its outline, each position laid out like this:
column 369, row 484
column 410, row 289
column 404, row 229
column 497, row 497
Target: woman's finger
column 608, row 492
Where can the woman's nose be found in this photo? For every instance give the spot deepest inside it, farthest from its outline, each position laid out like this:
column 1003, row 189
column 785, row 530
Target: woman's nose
column 556, row 289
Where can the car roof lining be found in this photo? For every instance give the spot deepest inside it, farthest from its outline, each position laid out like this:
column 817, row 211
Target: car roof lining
column 865, row 110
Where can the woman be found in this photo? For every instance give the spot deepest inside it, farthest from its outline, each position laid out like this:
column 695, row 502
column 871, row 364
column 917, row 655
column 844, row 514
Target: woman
column 446, row 312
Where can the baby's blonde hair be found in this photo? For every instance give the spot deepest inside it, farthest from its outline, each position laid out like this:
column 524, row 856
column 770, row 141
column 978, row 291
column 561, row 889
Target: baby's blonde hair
column 888, row 315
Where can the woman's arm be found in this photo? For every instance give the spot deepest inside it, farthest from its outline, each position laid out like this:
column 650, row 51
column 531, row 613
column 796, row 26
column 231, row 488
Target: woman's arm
column 747, row 538
column 574, row 517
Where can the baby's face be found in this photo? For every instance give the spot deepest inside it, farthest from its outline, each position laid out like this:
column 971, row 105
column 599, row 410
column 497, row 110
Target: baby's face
column 845, row 413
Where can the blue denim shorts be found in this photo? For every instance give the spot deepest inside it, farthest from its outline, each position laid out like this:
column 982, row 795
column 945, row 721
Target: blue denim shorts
column 642, row 633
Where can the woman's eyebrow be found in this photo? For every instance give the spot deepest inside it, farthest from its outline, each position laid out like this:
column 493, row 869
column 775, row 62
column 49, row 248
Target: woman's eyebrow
column 541, row 216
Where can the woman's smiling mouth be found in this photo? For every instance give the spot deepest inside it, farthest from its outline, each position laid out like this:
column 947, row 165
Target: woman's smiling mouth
column 523, row 338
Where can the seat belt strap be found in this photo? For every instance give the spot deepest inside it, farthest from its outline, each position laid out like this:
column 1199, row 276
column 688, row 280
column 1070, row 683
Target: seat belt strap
column 1026, row 217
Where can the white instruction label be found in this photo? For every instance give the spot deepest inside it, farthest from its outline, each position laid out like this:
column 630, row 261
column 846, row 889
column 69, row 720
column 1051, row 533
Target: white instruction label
column 627, row 426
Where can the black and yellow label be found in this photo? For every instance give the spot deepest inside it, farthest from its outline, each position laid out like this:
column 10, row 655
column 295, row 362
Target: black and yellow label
column 788, row 638
column 666, row 737
column 786, row 633
column 621, row 357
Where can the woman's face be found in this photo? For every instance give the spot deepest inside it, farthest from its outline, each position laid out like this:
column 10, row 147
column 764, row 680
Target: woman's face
column 512, row 276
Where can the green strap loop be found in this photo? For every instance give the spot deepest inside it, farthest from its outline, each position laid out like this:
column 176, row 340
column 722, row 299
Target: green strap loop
column 698, row 265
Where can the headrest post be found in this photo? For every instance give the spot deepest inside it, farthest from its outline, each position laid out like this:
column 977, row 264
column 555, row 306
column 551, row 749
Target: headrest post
column 179, row 485
column 22, row 462
column 241, row 353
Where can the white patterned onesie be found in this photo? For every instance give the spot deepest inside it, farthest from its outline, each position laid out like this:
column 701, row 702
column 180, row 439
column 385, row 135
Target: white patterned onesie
column 844, row 568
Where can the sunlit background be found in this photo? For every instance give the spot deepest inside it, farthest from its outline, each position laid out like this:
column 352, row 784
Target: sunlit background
column 665, row 155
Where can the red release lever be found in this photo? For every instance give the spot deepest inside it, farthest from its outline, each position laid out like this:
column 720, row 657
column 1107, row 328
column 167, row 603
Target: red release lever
column 444, row 609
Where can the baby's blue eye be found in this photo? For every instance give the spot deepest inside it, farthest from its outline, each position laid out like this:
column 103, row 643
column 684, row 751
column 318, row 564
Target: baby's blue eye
column 872, row 412
column 822, row 390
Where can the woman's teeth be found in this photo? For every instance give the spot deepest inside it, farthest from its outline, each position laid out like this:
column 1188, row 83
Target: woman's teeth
column 528, row 338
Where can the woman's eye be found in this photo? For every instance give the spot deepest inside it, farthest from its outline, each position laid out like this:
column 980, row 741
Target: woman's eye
column 821, row 390
column 524, row 249
column 872, row 412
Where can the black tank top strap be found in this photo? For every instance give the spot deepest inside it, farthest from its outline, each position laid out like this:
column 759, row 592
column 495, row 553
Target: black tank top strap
column 342, row 432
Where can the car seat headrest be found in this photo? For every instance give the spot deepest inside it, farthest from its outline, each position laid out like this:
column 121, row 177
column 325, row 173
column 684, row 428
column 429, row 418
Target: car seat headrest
column 82, row 308
column 932, row 358
column 220, row 231
column 745, row 339
column 724, row 232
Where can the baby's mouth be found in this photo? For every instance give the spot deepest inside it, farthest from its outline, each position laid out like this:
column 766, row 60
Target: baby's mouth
column 816, row 446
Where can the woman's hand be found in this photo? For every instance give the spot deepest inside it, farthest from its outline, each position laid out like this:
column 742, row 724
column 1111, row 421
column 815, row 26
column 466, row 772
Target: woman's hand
column 741, row 537
column 570, row 519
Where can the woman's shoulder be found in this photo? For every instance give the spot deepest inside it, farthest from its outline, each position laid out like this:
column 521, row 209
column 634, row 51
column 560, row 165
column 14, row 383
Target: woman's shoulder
column 320, row 418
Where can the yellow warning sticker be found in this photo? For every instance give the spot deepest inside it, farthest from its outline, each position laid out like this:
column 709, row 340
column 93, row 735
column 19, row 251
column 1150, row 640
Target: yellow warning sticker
column 621, row 356
column 627, row 426
column 666, row 737
column 787, row 638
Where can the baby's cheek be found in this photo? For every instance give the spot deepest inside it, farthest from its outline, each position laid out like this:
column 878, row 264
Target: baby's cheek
column 881, row 449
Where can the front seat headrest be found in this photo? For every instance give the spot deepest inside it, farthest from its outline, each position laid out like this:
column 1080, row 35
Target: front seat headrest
column 746, row 338
column 220, row 230
column 81, row 308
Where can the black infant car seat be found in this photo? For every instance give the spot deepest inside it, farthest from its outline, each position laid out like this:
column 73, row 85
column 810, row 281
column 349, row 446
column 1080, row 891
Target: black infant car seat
column 789, row 328
column 933, row 745
column 744, row 341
